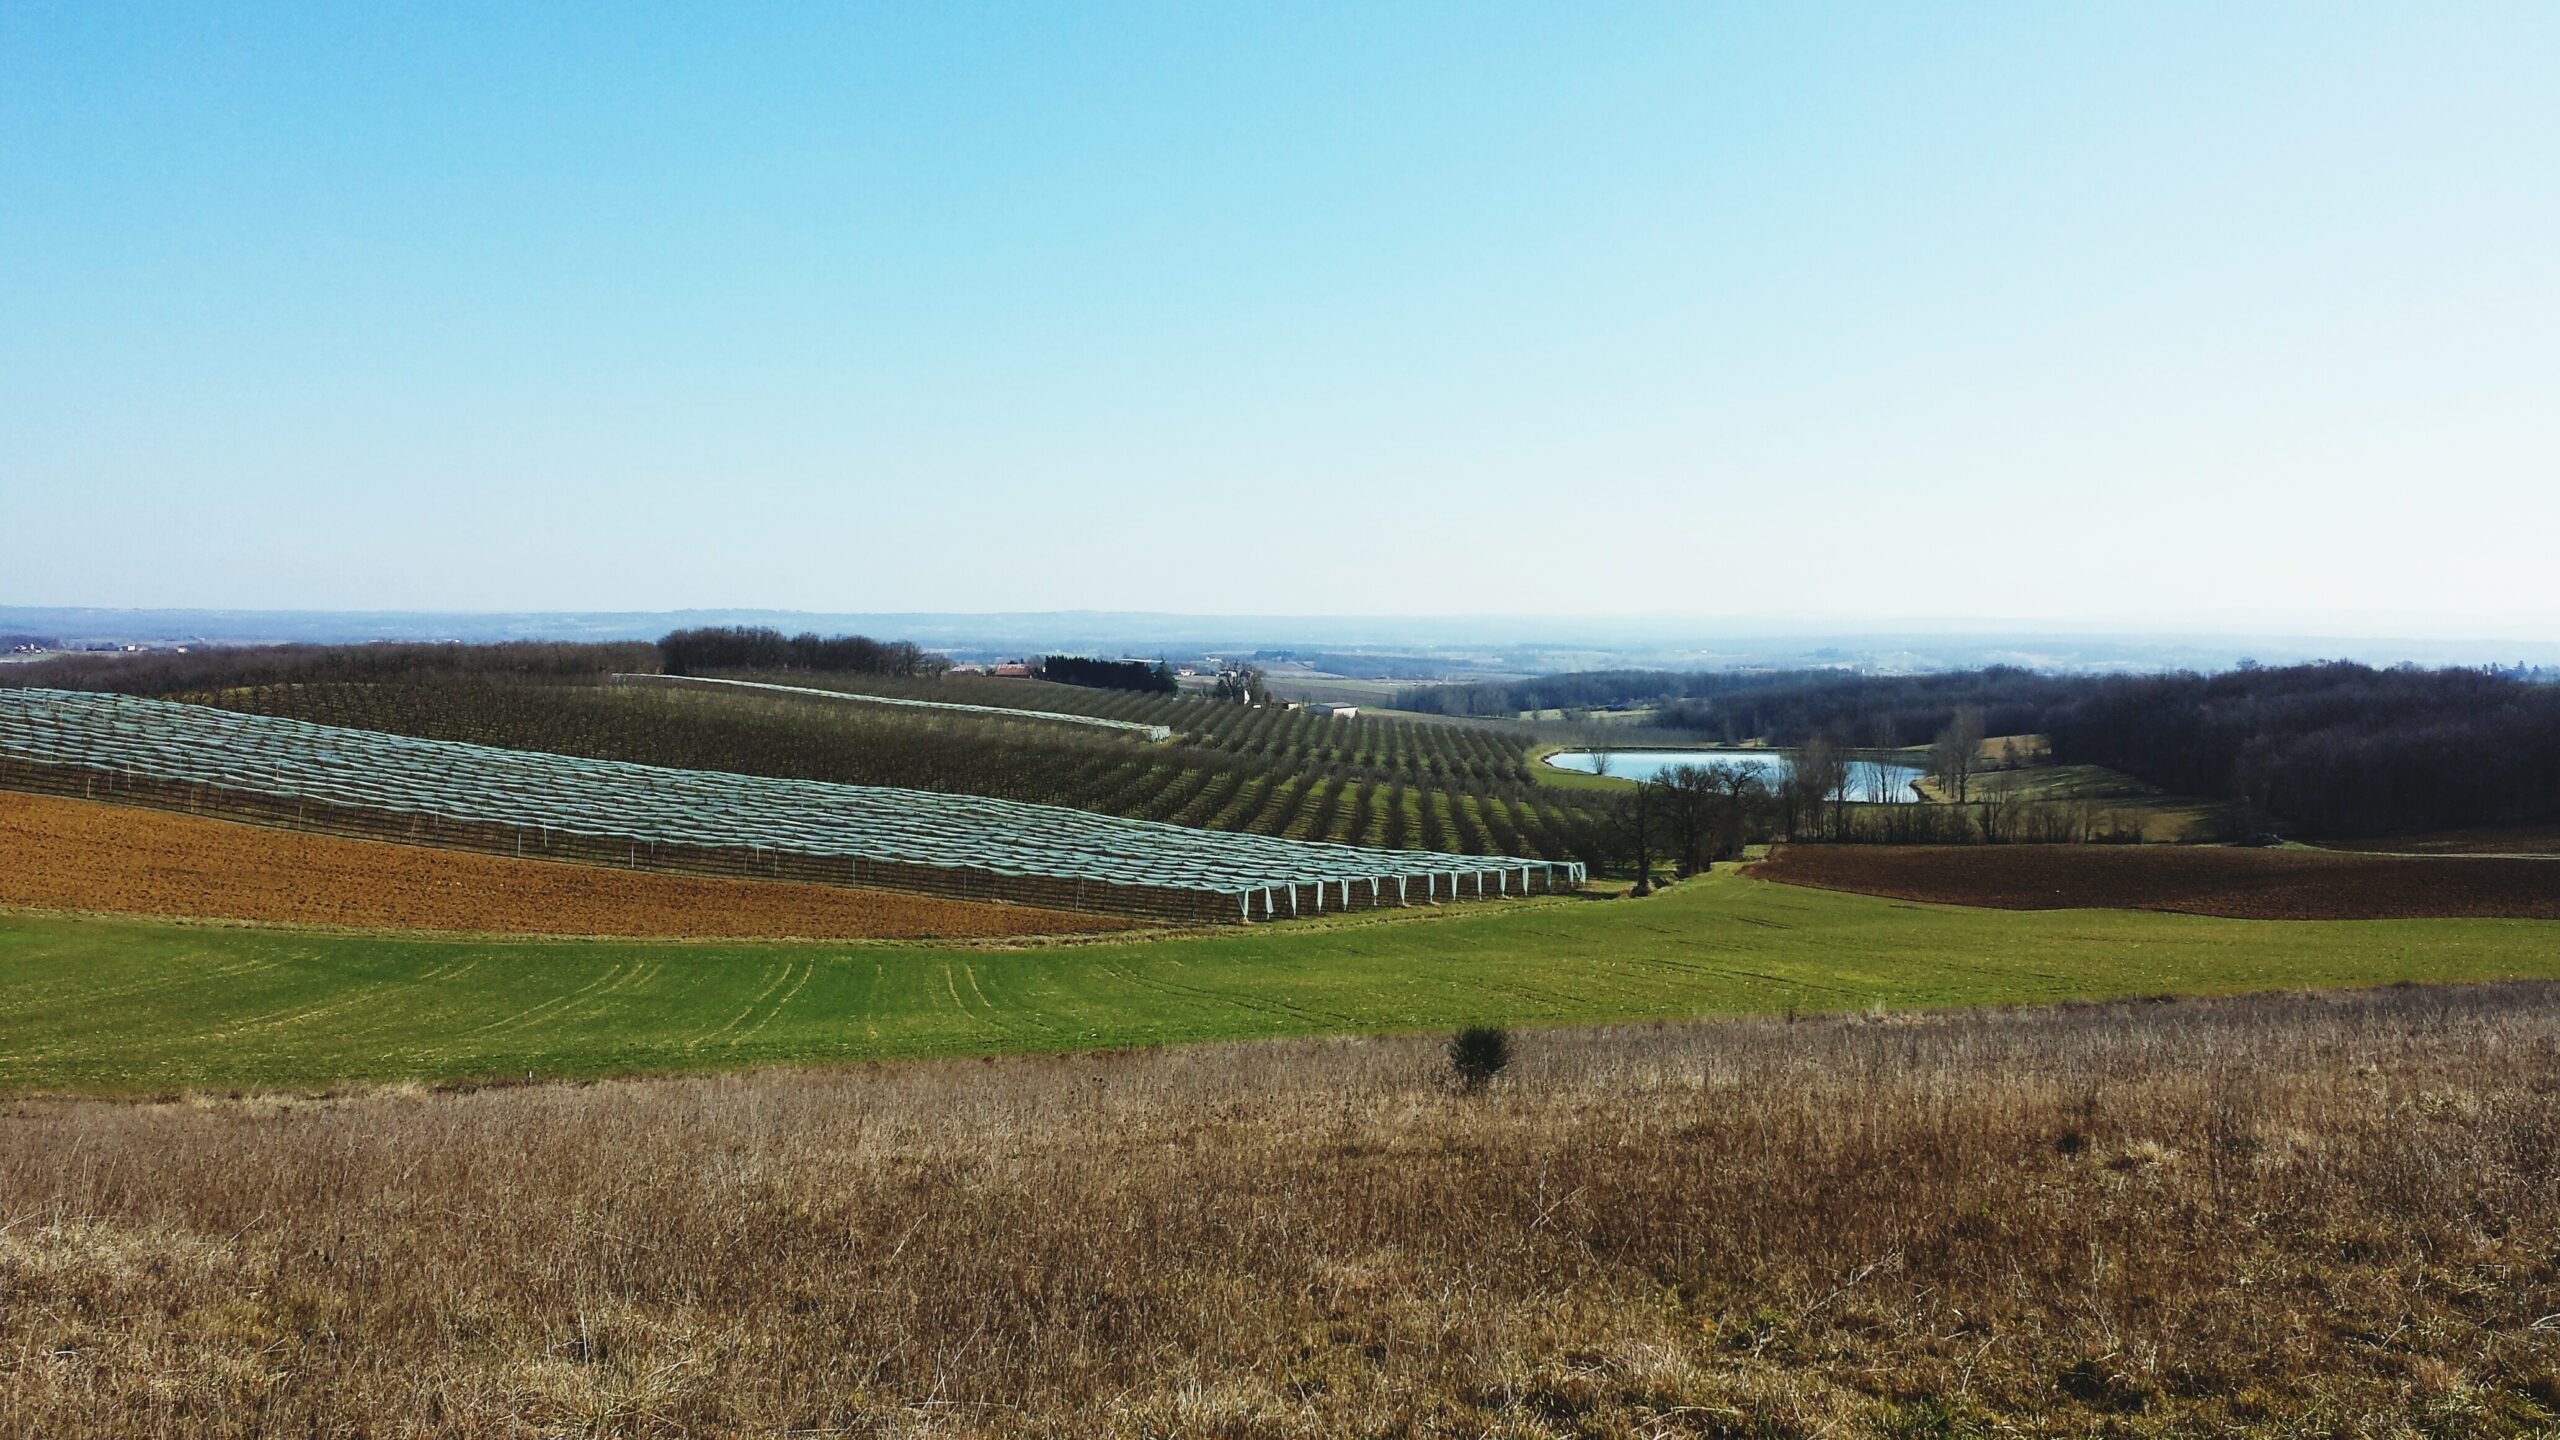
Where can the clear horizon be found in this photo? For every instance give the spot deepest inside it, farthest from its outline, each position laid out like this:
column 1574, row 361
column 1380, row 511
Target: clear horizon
column 2171, row 317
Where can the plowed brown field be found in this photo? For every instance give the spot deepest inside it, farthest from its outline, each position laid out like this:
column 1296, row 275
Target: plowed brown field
column 2198, row 880
column 81, row 855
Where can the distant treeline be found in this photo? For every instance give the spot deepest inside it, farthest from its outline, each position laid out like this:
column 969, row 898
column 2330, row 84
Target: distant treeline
column 2330, row 749
column 168, row 672
column 1785, row 707
column 686, row 652
column 1156, row 679
column 747, row 647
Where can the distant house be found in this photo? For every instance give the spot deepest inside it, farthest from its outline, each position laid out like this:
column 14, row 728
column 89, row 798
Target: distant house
column 1339, row 712
column 1012, row 668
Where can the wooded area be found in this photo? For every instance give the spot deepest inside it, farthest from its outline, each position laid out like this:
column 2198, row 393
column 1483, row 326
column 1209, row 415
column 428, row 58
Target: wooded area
column 747, row 647
column 1138, row 675
column 2330, row 749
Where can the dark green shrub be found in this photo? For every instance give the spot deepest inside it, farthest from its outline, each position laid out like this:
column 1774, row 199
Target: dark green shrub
column 1477, row 1054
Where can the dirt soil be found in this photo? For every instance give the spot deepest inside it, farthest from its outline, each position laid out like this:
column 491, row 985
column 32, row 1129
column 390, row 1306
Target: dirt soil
column 2199, row 880
column 61, row 854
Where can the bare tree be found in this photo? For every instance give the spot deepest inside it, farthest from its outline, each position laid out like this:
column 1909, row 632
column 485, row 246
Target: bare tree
column 1957, row 751
column 1637, row 823
column 1819, row 776
column 1691, row 797
column 1875, row 779
column 2004, row 815
column 1744, row 800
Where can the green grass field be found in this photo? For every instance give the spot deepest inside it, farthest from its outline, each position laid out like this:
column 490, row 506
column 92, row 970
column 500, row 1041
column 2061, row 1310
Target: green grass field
column 132, row 1007
column 2111, row 795
column 1551, row 776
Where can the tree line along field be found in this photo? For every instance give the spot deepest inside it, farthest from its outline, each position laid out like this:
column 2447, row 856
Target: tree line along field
column 130, row 1007
column 2276, row 1216
column 1264, row 771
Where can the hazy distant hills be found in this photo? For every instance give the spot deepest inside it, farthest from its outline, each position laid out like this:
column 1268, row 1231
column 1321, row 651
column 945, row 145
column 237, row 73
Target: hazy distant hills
column 1459, row 645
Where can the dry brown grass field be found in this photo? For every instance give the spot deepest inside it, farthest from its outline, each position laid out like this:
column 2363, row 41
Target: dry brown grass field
column 2311, row 1215
column 82, row 855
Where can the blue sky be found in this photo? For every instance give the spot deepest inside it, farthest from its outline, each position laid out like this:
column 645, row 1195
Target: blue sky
column 2058, row 313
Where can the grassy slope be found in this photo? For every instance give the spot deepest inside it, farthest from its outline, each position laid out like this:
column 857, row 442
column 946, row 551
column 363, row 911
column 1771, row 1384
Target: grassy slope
column 134, row 1007
column 2164, row 818
column 1549, row 775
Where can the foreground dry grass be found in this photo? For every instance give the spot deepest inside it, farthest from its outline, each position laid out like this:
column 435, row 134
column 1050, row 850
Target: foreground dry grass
column 85, row 855
column 2322, row 1215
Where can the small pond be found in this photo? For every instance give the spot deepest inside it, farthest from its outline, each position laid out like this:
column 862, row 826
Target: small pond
column 1868, row 779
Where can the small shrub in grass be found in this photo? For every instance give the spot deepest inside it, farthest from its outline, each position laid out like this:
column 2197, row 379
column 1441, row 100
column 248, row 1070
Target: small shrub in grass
column 1477, row 1054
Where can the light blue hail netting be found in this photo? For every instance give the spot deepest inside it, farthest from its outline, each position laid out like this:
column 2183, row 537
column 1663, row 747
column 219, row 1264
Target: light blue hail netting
column 565, row 794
